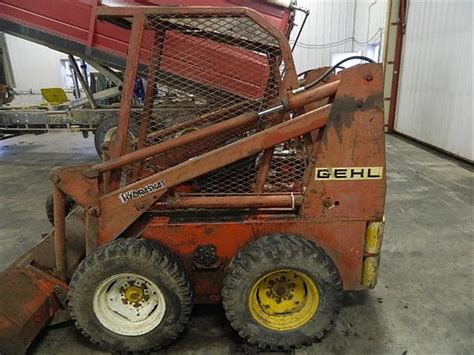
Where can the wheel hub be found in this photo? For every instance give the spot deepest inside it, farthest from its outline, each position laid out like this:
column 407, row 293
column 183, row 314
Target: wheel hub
column 280, row 288
column 284, row 300
column 134, row 294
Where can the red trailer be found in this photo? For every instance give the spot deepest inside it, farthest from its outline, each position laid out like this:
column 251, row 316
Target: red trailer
column 71, row 26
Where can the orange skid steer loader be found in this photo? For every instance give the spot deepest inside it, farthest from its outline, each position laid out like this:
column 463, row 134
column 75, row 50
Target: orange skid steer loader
column 261, row 190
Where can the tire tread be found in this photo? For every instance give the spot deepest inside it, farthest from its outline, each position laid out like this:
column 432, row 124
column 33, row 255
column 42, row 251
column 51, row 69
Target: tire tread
column 147, row 250
column 272, row 248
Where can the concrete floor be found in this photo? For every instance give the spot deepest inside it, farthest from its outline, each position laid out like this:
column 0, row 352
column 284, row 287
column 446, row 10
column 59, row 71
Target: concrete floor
column 423, row 303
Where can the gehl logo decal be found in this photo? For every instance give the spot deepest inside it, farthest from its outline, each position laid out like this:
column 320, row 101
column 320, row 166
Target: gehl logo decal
column 126, row 197
column 349, row 173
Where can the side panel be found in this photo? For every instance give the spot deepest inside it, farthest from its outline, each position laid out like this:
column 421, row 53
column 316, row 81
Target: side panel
column 343, row 242
column 352, row 143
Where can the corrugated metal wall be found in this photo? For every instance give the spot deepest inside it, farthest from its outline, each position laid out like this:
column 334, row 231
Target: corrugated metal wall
column 337, row 26
column 370, row 21
column 329, row 22
column 435, row 100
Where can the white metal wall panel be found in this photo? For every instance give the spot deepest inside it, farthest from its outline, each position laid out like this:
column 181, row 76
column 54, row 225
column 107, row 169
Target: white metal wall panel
column 370, row 20
column 435, row 96
column 337, row 26
column 328, row 22
column 34, row 67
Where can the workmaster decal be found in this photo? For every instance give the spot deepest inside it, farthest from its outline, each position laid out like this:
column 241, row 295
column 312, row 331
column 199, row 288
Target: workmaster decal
column 128, row 196
column 349, row 173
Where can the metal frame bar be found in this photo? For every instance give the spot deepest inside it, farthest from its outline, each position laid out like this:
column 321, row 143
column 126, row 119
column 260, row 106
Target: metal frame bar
column 139, row 155
column 101, row 95
column 264, row 169
column 120, row 144
column 293, row 102
column 397, row 65
column 59, row 232
column 129, row 83
column 117, row 216
column 83, row 82
column 254, row 201
column 158, row 42
column 107, row 72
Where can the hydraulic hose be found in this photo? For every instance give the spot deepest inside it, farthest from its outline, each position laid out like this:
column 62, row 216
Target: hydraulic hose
column 329, row 71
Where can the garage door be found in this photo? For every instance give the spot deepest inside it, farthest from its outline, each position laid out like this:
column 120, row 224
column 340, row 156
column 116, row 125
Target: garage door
column 435, row 96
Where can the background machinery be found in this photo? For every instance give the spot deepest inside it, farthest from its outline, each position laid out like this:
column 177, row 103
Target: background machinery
column 258, row 190
column 71, row 27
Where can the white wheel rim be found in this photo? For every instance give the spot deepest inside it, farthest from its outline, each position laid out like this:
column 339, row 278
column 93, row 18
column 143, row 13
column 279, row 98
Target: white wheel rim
column 110, row 135
column 129, row 304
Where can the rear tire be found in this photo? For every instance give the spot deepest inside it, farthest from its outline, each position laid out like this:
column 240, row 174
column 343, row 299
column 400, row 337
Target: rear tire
column 282, row 292
column 130, row 295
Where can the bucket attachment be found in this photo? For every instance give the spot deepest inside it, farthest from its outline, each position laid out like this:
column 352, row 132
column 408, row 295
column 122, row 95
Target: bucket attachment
column 31, row 294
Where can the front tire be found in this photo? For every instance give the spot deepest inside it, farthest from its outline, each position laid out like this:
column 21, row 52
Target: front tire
column 130, row 295
column 282, row 292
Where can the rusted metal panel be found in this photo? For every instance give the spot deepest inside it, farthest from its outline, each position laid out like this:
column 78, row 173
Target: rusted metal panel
column 343, row 241
column 28, row 302
column 75, row 181
column 353, row 137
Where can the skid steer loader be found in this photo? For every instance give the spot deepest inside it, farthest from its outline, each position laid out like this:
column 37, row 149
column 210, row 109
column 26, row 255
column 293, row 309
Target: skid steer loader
column 263, row 191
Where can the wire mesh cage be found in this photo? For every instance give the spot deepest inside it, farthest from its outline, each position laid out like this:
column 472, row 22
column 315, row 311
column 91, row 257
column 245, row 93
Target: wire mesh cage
column 204, row 69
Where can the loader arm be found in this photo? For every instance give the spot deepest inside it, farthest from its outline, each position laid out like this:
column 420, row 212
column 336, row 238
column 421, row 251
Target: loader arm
column 118, row 215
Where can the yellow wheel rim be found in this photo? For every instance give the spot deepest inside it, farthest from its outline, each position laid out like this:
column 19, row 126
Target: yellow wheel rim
column 284, row 299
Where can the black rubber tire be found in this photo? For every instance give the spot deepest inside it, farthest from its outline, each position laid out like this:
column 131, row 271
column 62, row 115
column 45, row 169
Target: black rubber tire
column 270, row 253
column 68, row 206
column 101, row 131
column 138, row 256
